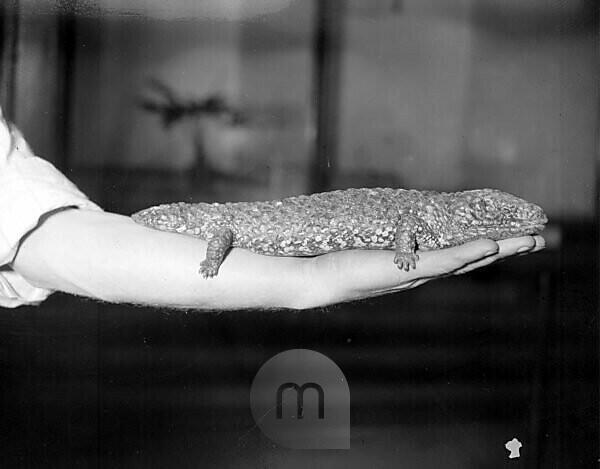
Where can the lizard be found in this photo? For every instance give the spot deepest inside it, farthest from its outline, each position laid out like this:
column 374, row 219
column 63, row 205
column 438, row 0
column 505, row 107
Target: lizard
column 365, row 218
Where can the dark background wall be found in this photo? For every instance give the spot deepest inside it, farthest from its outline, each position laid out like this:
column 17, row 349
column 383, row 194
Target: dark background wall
column 442, row 95
column 467, row 94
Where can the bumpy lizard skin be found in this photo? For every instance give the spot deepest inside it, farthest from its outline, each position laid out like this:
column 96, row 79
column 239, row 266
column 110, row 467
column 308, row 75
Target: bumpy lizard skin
column 381, row 218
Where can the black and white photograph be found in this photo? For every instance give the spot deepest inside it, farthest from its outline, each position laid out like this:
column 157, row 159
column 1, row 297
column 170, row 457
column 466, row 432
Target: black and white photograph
column 299, row 234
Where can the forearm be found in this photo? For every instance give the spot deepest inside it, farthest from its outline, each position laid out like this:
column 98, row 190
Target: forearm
column 109, row 257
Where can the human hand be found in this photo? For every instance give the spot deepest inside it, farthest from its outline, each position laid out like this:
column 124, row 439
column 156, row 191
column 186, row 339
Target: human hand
column 372, row 273
column 109, row 257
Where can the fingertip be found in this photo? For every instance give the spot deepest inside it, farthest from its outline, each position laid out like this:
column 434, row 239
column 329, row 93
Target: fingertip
column 479, row 248
column 491, row 247
column 540, row 243
column 527, row 244
column 515, row 246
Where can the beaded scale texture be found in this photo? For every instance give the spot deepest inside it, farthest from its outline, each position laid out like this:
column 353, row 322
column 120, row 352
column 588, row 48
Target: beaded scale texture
column 378, row 218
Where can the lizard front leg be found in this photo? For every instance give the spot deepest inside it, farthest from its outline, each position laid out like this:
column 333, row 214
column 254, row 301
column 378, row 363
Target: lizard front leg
column 218, row 244
column 407, row 231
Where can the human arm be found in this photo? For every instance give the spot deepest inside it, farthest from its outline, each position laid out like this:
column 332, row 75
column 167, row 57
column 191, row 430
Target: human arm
column 109, row 257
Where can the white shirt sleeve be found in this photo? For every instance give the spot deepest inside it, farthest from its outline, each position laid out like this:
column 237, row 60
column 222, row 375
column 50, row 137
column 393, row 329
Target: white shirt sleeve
column 30, row 187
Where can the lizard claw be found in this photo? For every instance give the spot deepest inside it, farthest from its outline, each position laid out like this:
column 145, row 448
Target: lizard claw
column 406, row 261
column 208, row 269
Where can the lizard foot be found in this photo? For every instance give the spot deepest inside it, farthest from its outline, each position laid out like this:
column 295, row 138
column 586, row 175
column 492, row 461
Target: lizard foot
column 405, row 261
column 208, row 269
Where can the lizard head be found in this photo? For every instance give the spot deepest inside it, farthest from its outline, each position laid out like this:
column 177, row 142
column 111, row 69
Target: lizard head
column 495, row 215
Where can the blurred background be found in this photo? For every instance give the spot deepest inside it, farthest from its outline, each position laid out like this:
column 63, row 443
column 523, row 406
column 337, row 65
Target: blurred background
column 143, row 102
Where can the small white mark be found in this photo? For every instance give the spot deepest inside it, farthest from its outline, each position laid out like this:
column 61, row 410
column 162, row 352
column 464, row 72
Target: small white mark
column 513, row 446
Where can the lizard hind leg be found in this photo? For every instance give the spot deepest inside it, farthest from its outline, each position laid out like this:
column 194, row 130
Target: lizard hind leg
column 218, row 244
column 406, row 243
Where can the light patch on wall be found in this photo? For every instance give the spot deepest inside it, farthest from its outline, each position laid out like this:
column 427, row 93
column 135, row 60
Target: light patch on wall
column 196, row 9
column 489, row 143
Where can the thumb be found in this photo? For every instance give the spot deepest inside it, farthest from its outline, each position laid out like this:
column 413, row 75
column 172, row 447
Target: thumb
column 446, row 261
